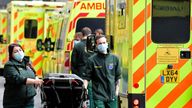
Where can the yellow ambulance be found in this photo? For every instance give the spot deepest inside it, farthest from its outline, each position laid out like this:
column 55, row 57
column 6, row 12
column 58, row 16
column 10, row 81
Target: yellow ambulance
column 3, row 38
column 30, row 23
column 153, row 41
column 78, row 14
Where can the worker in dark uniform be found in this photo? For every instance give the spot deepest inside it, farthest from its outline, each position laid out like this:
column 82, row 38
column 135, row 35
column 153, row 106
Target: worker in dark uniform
column 79, row 58
column 103, row 69
column 80, row 55
column 20, row 80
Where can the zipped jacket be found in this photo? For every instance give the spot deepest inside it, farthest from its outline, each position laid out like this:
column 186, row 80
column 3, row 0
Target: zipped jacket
column 103, row 70
column 16, row 91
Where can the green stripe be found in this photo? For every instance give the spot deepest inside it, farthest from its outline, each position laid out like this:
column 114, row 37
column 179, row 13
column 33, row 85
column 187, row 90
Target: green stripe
column 138, row 34
column 138, row 62
column 182, row 99
column 138, row 7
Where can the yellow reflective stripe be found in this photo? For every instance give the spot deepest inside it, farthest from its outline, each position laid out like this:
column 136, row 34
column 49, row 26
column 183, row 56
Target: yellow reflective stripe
column 182, row 100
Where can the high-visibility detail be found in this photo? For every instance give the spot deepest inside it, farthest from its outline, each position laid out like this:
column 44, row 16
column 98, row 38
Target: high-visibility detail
column 138, row 75
column 101, row 15
column 176, row 92
column 40, row 31
column 156, row 85
column 135, row 1
column 188, row 105
column 15, row 15
column 78, row 16
column 39, row 72
column 21, row 22
column 68, row 46
column 139, row 47
column 73, row 22
column 183, row 99
column 140, row 18
column 75, row 4
column 39, row 20
column 21, row 36
column 70, row 26
column 15, row 28
column 72, row 44
column 3, row 20
column 4, row 30
column 37, row 60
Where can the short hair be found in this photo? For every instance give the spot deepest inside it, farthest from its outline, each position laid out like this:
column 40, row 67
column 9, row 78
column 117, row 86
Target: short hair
column 86, row 31
column 98, row 37
column 100, row 31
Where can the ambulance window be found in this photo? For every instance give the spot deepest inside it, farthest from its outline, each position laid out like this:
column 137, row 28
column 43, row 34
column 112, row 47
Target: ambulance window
column 30, row 29
column 92, row 23
column 170, row 21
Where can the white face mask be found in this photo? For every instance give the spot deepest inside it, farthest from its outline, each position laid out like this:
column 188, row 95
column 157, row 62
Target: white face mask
column 76, row 42
column 18, row 55
column 102, row 48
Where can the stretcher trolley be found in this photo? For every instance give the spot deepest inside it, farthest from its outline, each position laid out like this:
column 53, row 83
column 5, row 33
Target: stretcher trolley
column 62, row 91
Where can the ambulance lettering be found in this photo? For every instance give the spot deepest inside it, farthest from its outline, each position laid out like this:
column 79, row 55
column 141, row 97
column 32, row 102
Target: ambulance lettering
column 92, row 6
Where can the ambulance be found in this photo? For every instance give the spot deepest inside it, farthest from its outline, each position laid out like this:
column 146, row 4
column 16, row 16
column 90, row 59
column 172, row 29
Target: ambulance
column 3, row 38
column 31, row 22
column 78, row 14
column 153, row 41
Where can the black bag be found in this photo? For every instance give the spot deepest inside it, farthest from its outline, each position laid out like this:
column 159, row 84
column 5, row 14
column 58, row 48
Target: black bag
column 62, row 90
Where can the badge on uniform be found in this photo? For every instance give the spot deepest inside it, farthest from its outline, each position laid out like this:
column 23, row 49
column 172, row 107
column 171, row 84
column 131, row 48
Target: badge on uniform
column 110, row 66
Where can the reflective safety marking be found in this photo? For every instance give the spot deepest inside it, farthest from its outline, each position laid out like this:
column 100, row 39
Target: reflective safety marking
column 135, row 1
column 73, row 22
column 188, row 105
column 101, row 14
column 21, row 36
column 156, row 85
column 176, row 92
column 21, row 22
column 15, row 15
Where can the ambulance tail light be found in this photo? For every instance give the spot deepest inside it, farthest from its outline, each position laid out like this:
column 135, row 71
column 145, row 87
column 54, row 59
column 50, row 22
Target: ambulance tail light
column 67, row 62
column 136, row 100
column 136, row 103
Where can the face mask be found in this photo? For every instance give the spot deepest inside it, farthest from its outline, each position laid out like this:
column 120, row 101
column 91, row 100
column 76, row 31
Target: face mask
column 102, row 48
column 19, row 55
column 75, row 42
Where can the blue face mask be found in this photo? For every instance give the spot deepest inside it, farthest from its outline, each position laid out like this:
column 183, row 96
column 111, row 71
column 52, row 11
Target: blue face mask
column 19, row 55
column 76, row 42
column 102, row 48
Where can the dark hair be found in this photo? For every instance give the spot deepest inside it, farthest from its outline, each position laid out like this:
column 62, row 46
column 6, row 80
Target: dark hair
column 86, row 31
column 99, row 30
column 98, row 37
column 10, row 48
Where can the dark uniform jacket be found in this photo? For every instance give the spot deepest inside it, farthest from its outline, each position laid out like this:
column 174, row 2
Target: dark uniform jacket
column 104, row 71
column 79, row 58
column 16, row 91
